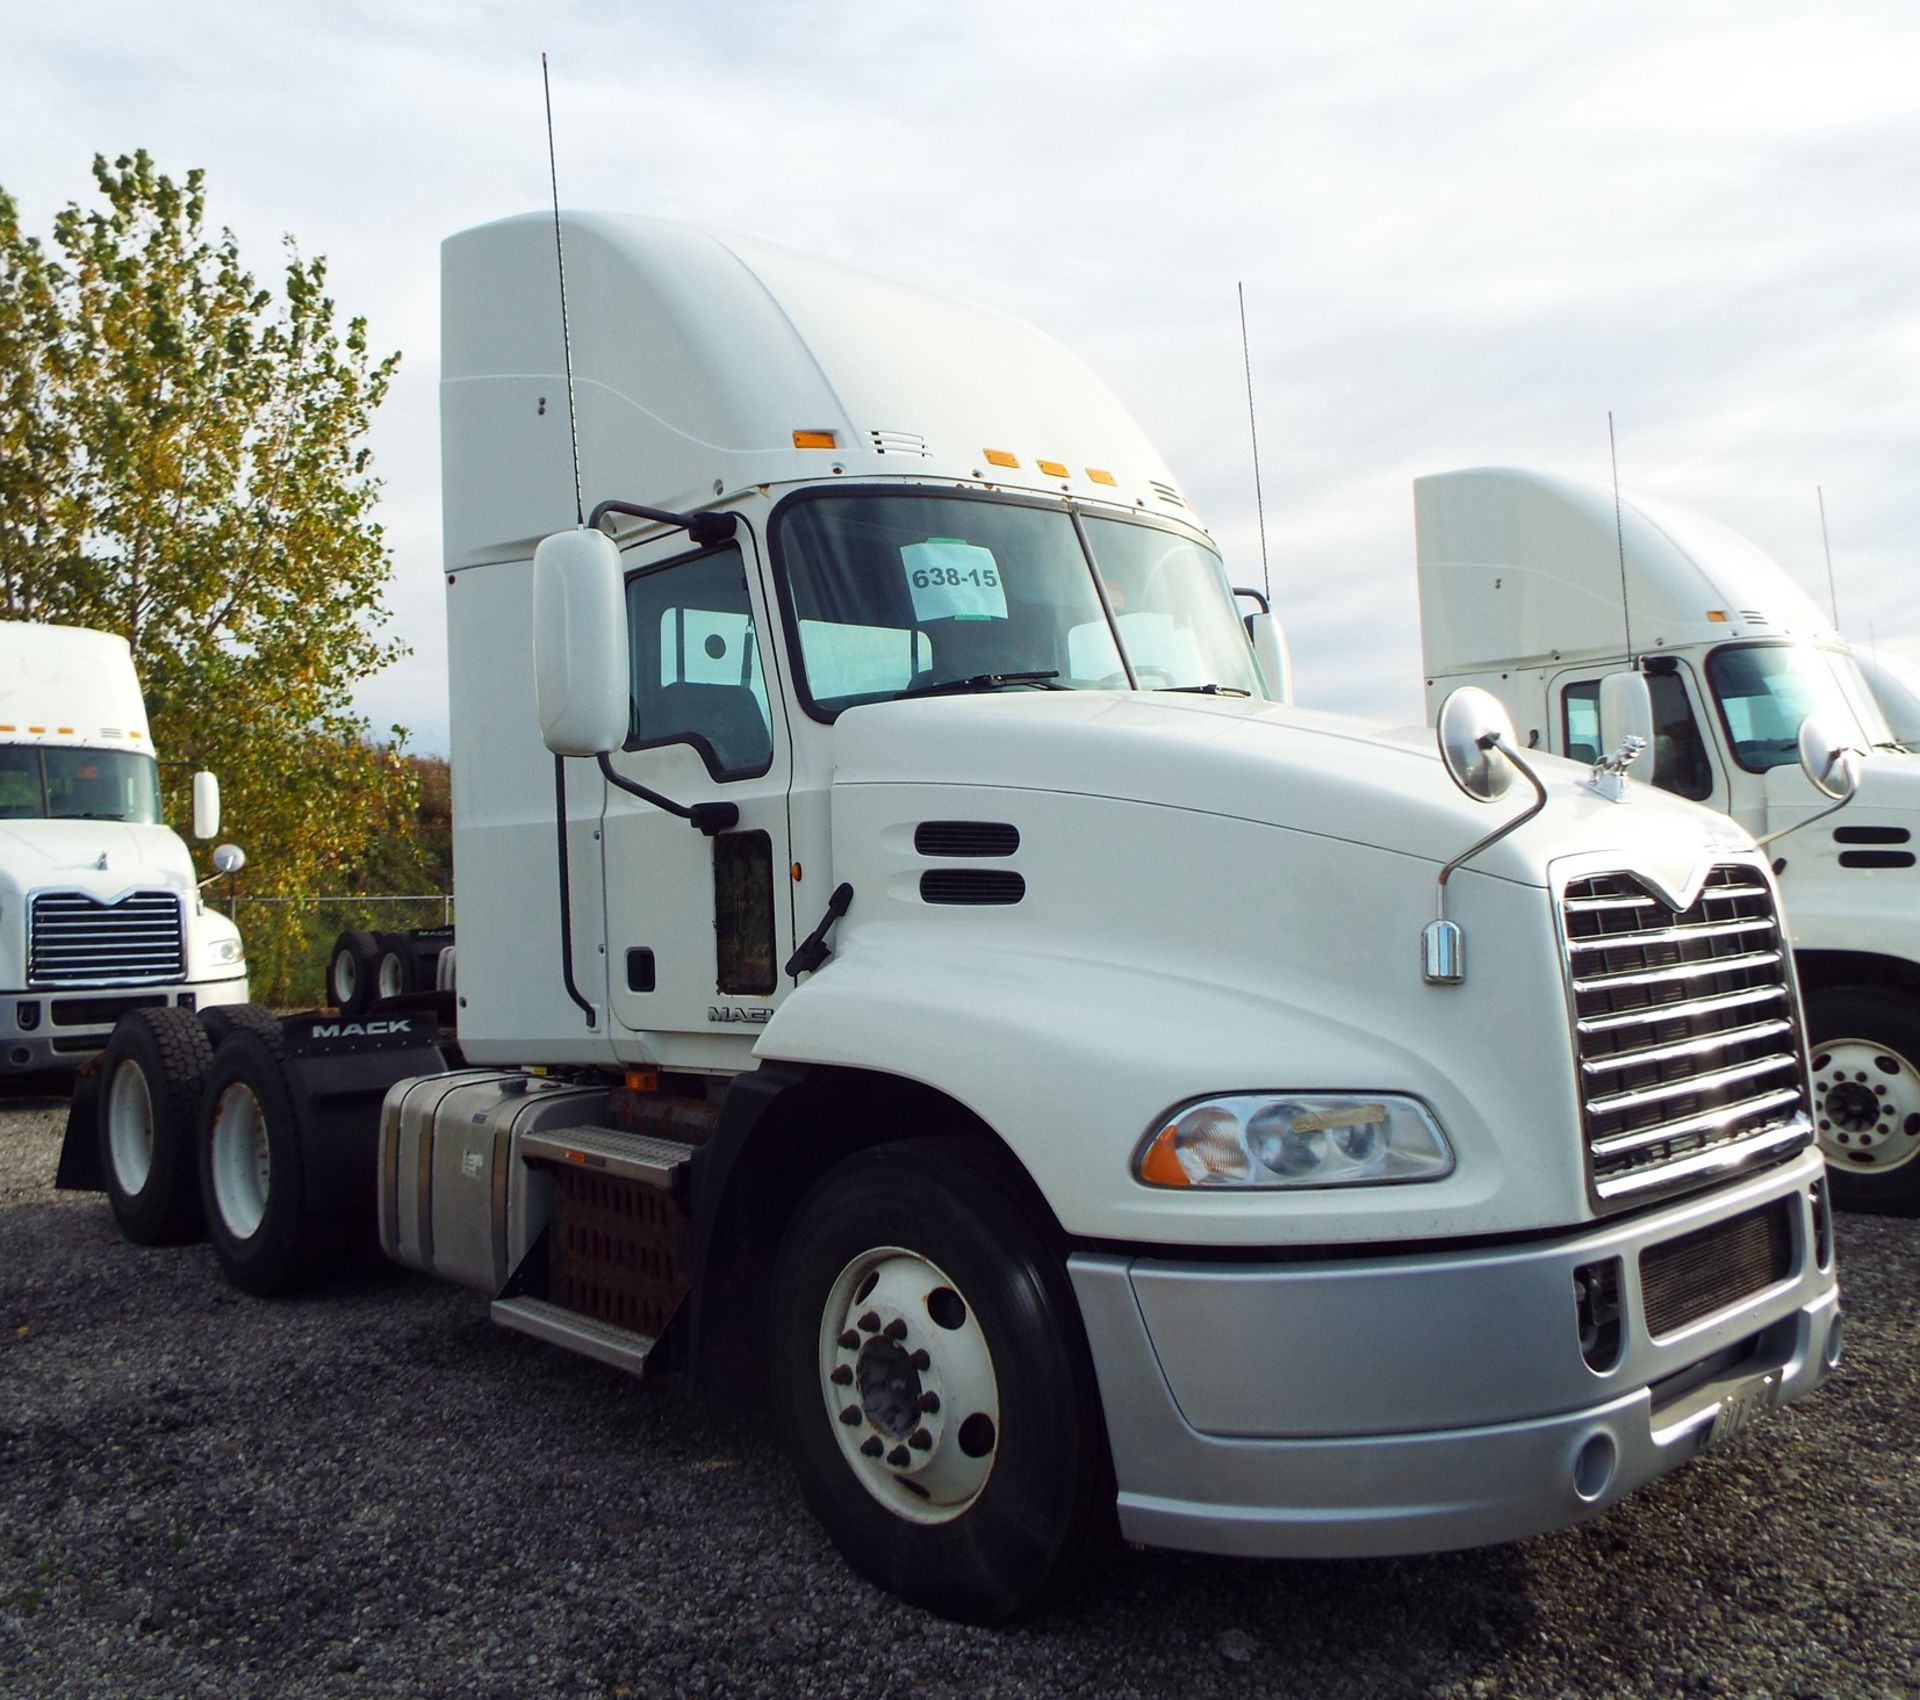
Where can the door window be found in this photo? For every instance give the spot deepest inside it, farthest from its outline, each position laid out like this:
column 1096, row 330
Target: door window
column 696, row 673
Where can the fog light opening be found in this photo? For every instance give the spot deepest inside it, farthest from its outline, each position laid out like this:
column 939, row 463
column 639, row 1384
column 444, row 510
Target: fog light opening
column 1593, row 1468
column 1835, row 1341
column 19, row 1056
column 1596, row 1305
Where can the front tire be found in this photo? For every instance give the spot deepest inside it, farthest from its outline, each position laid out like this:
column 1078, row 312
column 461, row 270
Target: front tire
column 1865, row 1048
column 252, row 1169
column 935, row 1386
column 149, row 1104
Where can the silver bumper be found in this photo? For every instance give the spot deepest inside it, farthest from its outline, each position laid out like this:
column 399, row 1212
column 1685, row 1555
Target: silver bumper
column 1419, row 1403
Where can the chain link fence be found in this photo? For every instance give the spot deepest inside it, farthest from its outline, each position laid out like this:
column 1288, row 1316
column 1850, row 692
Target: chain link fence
column 288, row 939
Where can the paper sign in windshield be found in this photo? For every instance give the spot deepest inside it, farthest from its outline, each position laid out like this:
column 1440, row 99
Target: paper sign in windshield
column 951, row 580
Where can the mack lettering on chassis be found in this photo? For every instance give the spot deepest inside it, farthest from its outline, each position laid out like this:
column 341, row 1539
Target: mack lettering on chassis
column 1521, row 580
column 977, row 1017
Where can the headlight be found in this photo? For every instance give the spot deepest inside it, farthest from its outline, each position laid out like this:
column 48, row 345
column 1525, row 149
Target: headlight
column 226, row 950
column 1307, row 1139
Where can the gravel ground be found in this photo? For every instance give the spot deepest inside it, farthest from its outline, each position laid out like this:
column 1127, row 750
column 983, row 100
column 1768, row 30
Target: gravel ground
column 375, row 1492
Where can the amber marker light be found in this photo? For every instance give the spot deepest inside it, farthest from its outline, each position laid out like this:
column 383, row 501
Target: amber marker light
column 1000, row 457
column 1717, row 615
column 1052, row 468
column 1160, row 1167
column 814, row 440
column 1101, row 477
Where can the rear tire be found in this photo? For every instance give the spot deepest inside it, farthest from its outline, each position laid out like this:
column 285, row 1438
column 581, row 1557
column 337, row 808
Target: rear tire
column 393, row 972
column 910, row 1271
column 252, row 1169
column 1864, row 1042
column 352, row 972
column 224, row 1018
column 150, row 1085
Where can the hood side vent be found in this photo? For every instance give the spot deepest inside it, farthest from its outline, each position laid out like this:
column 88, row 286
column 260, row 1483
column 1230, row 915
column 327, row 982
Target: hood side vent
column 972, row 886
column 1167, row 493
column 1876, row 858
column 1871, row 835
column 899, row 443
column 966, row 838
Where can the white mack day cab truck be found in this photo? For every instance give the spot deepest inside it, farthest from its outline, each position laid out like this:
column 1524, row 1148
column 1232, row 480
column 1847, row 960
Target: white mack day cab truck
column 975, row 1015
column 1521, row 581
column 100, row 911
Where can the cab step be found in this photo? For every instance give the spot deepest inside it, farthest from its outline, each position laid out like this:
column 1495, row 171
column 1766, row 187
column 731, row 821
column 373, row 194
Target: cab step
column 658, row 1163
column 587, row 1335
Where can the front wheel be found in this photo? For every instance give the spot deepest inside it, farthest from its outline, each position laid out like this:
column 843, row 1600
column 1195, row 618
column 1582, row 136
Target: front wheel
column 150, row 1093
column 1865, row 1048
column 934, row 1384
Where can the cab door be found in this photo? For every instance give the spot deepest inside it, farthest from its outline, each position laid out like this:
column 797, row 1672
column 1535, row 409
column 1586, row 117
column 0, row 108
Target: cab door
column 697, row 927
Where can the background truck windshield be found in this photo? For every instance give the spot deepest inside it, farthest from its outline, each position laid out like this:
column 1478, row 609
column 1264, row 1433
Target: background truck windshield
column 41, row 782
column 1765, row 690
column 890, row 594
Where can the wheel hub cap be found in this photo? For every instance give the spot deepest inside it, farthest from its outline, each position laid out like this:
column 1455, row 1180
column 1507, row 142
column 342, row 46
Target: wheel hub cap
column 1868, row 1101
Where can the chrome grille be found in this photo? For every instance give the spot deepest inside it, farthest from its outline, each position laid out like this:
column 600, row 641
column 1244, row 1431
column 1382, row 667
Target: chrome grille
column 1686, row 1030
column 75, row 940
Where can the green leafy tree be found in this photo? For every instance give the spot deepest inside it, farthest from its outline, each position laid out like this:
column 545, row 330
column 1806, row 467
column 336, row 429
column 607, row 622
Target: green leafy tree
column 182, row 461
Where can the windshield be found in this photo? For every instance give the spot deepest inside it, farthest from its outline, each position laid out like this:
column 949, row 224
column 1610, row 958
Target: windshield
column 899, row 594
column 42, row 782
column 1764, row 692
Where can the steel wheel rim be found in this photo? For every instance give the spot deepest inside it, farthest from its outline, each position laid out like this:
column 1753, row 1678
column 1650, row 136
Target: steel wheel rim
column 1866, row 1105
column 241, row 1161
column 130, row 1127
column 908, row 1382
column 346, row 977
column 389, row 976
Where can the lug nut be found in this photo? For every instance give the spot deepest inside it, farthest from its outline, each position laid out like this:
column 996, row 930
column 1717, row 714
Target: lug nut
column 895, row 1330
column 850, row 1415
column 899, row 1457
column 929, row 1401
column 842, row 1375
column 871, row 1447
column 869, row 1322
column 920, row 1360
column 849, row 1341
column 920, row 1440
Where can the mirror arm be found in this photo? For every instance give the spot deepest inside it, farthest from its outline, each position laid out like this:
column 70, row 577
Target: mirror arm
column 700, row 528
column 1499, row 832
column 710, row 818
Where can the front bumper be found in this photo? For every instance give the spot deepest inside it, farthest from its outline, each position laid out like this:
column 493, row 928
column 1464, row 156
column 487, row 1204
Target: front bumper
column 1422, row 1402
column 47, row 1029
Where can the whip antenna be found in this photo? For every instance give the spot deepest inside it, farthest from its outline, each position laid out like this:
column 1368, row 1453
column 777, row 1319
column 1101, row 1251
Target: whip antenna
column 1253, row 436
column 566, row 338
column 1620, row 539
column 1833, row 598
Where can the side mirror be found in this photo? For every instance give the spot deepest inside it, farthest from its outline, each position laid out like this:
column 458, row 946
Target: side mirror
column 206, row 805
column 1626, row 711
column 580, row 643
column 1471, row 728
column 1270, row 650
column 1828, row 759
column 228, row 858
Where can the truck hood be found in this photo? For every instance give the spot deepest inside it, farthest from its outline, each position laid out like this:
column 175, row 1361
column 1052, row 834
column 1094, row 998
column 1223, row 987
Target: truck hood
column 1336, row 777
column 35, row 854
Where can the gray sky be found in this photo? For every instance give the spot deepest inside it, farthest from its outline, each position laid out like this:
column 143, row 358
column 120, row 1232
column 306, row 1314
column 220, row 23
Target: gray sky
column 1465, row 232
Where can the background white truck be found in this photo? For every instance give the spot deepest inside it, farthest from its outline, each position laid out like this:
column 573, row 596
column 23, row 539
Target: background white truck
column 1521, row 580
column 910, row 969
column 100, row 909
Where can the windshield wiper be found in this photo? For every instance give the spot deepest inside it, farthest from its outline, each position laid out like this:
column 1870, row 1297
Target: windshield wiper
column 84, row 815
column 980, row 682
column 1207, row 690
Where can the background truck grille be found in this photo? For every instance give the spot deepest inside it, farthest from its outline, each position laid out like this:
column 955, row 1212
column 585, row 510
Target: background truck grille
column 1686, row 1031
column 74, row 940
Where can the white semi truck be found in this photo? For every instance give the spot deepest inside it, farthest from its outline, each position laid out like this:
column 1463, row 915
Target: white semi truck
column 912, row 972
column 1522, row 581
column 100, row 910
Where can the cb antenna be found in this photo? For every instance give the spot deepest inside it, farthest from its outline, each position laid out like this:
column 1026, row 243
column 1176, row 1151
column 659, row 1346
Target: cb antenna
column 1620, row 539
column 1259, row 505
column 1833, row 597
column 566, row 338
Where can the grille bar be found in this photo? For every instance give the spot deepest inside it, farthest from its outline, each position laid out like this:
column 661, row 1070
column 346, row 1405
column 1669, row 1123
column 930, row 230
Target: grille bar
column 1687, row 1033
column 74, row 939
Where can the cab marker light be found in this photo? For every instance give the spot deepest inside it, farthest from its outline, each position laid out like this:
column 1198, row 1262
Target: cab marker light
column 1102, row 477
column 1717, row 615
column 1052, row 468
column 814, row 440
column 1000, row 457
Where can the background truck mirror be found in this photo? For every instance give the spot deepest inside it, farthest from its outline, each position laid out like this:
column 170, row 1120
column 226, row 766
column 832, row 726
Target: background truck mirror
column 580, row 643
column 206, row 805
column 1626, row 710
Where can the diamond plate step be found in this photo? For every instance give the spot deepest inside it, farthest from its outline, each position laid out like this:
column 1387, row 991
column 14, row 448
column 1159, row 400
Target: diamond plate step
column 610, row 1150
column 586, row 1335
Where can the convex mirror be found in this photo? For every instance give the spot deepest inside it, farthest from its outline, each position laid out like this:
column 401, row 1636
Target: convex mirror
column 1828, row 758
column 580, row 643
column 228, row 858
column 1470, row 728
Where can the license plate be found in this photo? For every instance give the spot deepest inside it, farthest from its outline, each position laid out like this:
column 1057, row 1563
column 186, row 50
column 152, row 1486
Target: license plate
column 1741, row 1408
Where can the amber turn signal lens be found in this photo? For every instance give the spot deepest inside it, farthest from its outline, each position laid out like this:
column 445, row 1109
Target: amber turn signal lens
column 813, row 440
